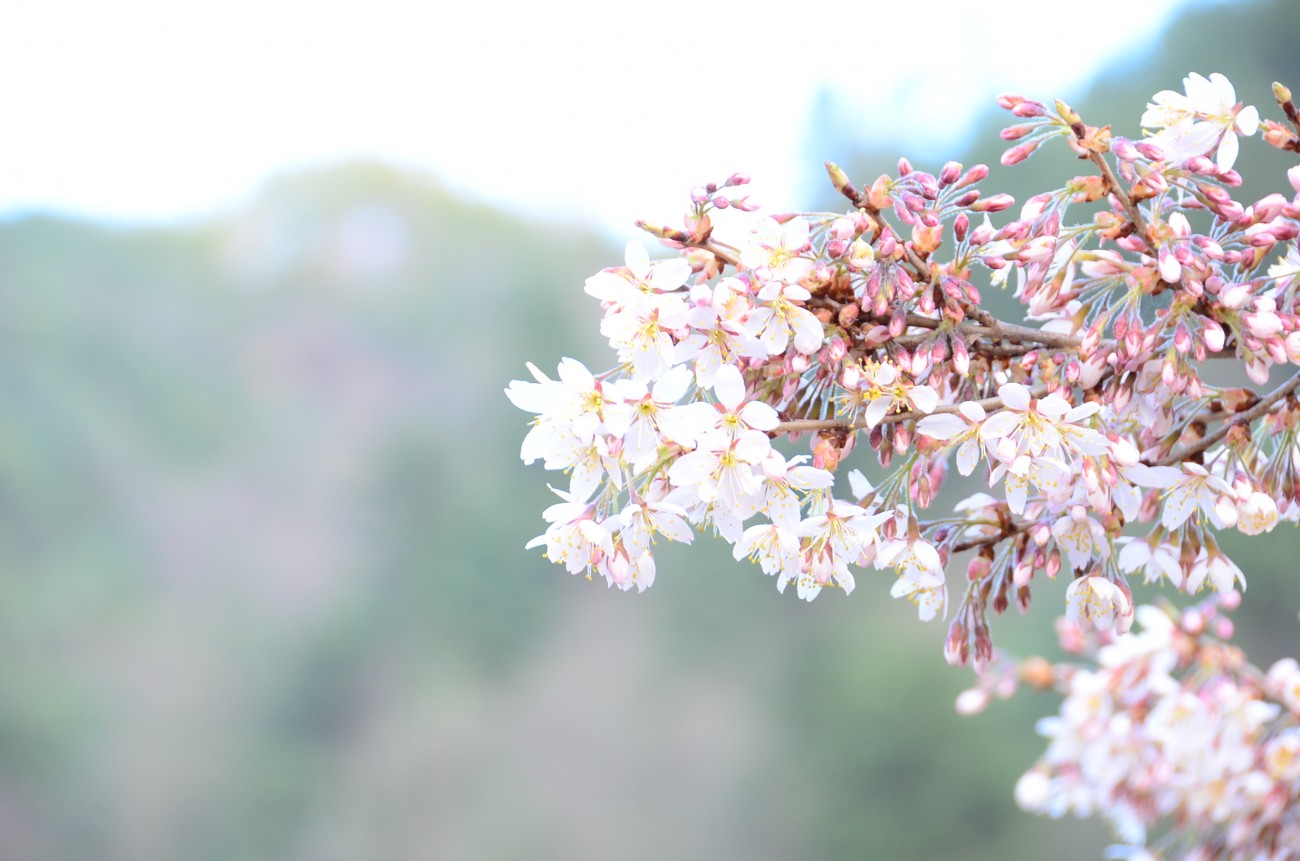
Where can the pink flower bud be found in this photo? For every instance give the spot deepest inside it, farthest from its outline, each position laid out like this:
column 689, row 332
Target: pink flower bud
column 1150, row 151
column 996, row 203
column 1213, row 336
column 956, row 649
column 1018, row 153
column 1293, row 177
column 1124, row 149
column 960, row 357
column 974, row 175
column 737, row 179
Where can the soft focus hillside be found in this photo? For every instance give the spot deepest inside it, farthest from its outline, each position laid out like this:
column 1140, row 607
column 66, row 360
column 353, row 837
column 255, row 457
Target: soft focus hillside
column 265, row 594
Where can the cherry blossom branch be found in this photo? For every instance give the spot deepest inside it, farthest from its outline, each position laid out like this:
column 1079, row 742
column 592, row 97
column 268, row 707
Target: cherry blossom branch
column 1112, row 181
column 801, row 425
column 1265, row 404
column 1007, row 530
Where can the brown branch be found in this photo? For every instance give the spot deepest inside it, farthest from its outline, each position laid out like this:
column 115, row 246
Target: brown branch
column 801, row 425
column 1002, row 534
column 1000, row 330
column 1265, row 404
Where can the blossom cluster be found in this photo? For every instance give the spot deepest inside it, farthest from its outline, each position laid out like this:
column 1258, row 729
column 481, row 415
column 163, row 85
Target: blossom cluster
column 1189, row 751
column 853, row 329
column 1101, row 449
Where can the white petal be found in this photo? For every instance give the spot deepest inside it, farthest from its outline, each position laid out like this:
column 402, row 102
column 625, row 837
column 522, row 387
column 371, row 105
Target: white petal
column 759, row 416
column 973, row 411
column 1000, row 424
column 729, row 387
column 1248, row 120
column 1226, row 157
column 968, row 456
column 1179, row 505
column 808, row 332
column 1015, row 396
column 942, row 426
column 876, row 411
column 923, row 398
column 637, row 259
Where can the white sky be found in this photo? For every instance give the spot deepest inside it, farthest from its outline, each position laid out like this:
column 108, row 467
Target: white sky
column 606, row 110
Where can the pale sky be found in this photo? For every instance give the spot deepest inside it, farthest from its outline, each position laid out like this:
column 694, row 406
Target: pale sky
column 608, row 111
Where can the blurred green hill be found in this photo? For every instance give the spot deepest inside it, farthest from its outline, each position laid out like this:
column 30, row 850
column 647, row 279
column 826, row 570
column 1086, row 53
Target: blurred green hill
column 266, row 594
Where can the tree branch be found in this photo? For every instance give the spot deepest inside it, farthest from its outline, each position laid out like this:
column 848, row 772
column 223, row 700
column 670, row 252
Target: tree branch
column 1265, row 404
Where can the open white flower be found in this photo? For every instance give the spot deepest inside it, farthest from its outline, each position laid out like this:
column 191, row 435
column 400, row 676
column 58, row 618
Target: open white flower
column 1096, row 601
column 1046, row 425
column 958, row 430
column 1195, row 123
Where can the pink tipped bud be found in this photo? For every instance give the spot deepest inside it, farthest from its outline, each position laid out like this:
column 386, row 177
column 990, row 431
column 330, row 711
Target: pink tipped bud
column 699, row 195
column 1124, row 149
column 1018, row 153
column 956, row 649
column 1015, row 133
column 968, row 199
column 976, row 174
column 1269, row 208
column 1150, row 151
column 960, row 357
column 960, row 225
column 1201, row 166
column 950, row 173
column 996, row 203
column 1213, row 336
column 1028, row 109
column 737, row 179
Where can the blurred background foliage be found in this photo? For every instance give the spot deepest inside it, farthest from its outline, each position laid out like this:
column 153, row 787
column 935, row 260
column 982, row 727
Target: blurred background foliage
column 265, row 591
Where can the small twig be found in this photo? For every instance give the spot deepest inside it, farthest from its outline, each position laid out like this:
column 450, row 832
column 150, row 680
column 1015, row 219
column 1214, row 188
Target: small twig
column 1265, row 404
column 801, row 425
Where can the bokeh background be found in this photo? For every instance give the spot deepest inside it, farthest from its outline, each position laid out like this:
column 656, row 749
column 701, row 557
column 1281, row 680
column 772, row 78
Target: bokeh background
column 263, row 591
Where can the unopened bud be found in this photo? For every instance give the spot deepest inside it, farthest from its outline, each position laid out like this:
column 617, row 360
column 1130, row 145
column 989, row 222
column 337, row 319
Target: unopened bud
column 976, row 174
column 1019, row 153
column 1068, row 114
column 737, row 179
column 996, row 203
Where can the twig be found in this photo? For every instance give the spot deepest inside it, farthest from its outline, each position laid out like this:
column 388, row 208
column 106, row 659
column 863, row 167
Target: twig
column 801, row 425
column 1265, row 404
